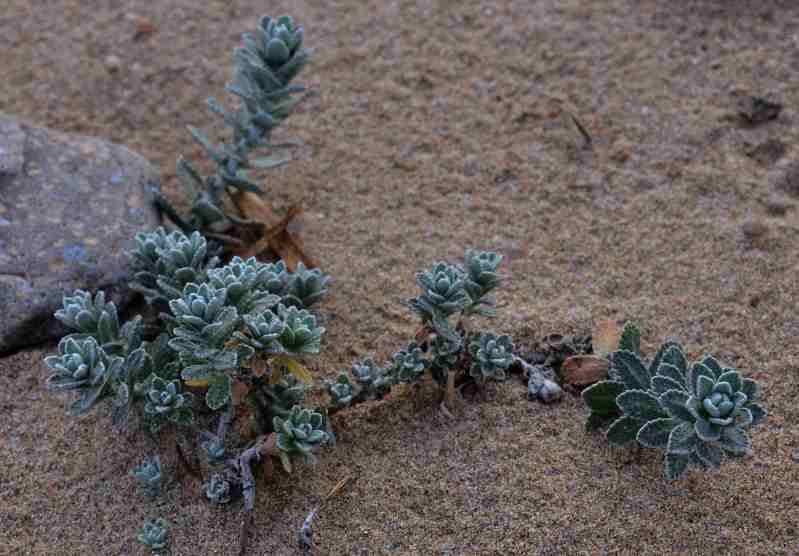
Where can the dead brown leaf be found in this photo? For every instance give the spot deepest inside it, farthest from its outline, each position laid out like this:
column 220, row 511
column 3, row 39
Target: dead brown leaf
column 276, row 236
column 583, row 370
column 606, row 337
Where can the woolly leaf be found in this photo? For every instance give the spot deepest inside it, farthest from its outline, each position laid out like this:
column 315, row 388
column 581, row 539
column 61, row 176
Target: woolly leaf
column 682, row 439
column 655, row 433
column 758, row 413
column 676, row 465
column 640, row 404
column 624, row 430
column 735, row 442
column 707, row 431
column 662, row 384
column 675, row 403
column 630, row 339
column 219, row 392
column 675, row 357
column 601, row 397
column 631, row 370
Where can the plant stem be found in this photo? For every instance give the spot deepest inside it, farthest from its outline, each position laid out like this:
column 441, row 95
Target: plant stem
column 243, row 463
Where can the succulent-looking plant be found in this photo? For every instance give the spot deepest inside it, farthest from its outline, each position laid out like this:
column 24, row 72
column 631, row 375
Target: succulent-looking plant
column 149, row 476
column 443, row 292
column 82, row 365
column 408, row 364
column 247, row 284
column 481, row 278
column 266, row 63
column 214, row 449
column 165, row 399
column 215, row 325
column 217, row 489
column 263, row 331
column 305, row 287
column 300, row 335
column 341, row 391
column 491, row 356
column 91, row 317
column 165, row 262
column 154, row 534
column 698, row 413
column 298, row 434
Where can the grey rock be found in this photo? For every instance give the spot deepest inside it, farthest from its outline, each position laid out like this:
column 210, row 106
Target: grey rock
column 69, row 207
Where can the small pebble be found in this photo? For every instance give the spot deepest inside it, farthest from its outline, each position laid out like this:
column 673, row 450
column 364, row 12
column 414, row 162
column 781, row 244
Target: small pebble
column 113, row 63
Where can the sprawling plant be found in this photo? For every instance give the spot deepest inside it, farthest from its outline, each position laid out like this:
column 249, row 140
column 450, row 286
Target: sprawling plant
column 449, row 351
column 698, row 413
column 223, row 338
column 242, row 325
column 267, row 62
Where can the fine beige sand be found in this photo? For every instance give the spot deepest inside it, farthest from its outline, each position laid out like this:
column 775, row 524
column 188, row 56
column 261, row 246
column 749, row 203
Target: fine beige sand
column 437, row 126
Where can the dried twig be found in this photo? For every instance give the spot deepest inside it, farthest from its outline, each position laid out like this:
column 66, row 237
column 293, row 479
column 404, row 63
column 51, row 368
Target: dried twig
column 243, row 464
column 304, row 534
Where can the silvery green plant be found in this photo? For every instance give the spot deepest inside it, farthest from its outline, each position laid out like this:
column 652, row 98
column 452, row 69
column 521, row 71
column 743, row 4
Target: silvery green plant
column 217, row 489
column 248, row 284
column 491, row 356
column 164, row 263
column 697, row 413
column 305, row 287
column 408, row 365
column 300, row 335
column 214, row 449
column 166, row 400
column 83, row 366
column 154, row 535
column 149, row 476
column 266, row 63
column 298, row 434
column 210, row 326
column 440, row 347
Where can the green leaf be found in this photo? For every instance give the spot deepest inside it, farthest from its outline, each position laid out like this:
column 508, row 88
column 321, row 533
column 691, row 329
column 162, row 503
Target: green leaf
column 750, row 388
column 640, row 404
column 595, row 421
column 713, row 365
column 710, row 454
column 676, row 465
column 674, row 402
column 601, row 397
column 682, row 439
column 661, row 384
column 219, row 392
column 758, row 413
column 624, row 430
column 697, row 370
column 631, row 370
column 735, row 442
column 655, row 433
column 86, row 402
column 675, row 357
column 658, row 360
column 707, row 431
column 630, row 339
column 182, row 416
column 704, row 386
column 733, row 379
column 667, row 370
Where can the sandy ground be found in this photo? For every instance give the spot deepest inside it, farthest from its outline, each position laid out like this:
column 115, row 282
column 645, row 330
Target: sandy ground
column 435, row 130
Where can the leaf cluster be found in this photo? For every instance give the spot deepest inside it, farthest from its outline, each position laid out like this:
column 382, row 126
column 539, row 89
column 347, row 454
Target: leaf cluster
column 440, row 347
column 698, row 413
column 266, row 63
